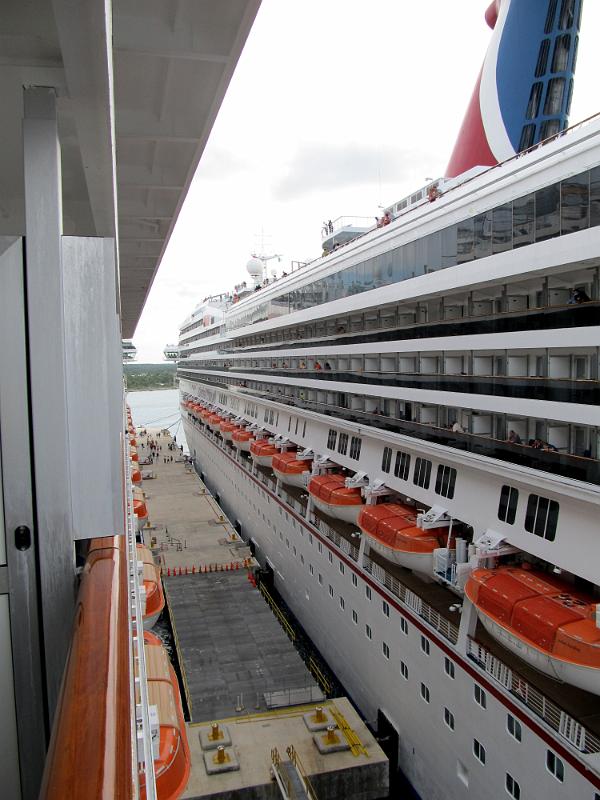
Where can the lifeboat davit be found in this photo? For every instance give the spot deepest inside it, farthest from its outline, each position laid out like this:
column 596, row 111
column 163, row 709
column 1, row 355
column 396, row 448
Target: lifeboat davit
column 542, row 620
column 262, row 452
column 393, row 532
column 140, row 509
column 331, row 496
column 242, row 439
column 291, row 469
column 155, row 598
column 172, row 765
column 227, row 428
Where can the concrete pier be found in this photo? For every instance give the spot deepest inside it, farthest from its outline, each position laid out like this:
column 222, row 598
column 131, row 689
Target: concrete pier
column 239, row 668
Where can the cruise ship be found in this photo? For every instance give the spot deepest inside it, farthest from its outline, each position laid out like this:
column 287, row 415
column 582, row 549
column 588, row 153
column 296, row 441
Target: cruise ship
column 406, row 431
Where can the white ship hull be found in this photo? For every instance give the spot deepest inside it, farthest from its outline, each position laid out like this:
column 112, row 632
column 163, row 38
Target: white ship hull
column 244, row 446
column 300, row 480
column 264, row 461
column 428, row 751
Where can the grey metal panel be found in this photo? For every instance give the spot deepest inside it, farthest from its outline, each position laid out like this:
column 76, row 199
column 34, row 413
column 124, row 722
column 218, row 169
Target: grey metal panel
column 16, row 488
column 9, row 751
column 47, row 380
column 94, row 397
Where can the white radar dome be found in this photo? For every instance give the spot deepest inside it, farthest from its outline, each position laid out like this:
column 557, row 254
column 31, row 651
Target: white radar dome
column 254, row 268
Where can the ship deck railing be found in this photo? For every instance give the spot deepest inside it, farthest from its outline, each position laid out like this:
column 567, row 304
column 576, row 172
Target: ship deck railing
column 574, row 732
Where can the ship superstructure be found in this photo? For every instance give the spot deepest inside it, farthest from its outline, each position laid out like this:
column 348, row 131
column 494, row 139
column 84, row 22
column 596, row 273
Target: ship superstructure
column 406, row 430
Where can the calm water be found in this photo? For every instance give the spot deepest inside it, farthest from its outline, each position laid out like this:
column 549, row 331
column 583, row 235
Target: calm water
column 158, row 409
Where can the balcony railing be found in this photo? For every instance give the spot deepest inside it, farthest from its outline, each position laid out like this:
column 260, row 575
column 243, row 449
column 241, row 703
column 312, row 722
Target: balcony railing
column 568, row 728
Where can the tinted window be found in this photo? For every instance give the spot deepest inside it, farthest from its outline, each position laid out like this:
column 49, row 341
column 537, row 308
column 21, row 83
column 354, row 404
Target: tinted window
column 574, row 206
column 541, row 517
column 523, row 220
column 507, row 509
column 547, row 220
column 422, row 474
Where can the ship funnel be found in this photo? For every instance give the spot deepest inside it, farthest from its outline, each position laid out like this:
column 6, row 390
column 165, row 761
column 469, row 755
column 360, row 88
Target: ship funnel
column 523, row 92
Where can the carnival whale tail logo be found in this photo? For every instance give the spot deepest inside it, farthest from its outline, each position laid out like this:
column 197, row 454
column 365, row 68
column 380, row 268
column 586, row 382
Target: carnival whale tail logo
column 523, row 92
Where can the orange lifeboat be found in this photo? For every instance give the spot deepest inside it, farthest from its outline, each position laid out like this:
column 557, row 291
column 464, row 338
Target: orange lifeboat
column 392, row 532
column 139, row 508
column 205, row 414
column 331, row 496
column 542, row 620
column 133, row 454
column 214, row 421
column 291, row 469
column 155, row 598
column 262, row 452
column 227, row 428
column 132, row 442
column 242, row 439
column 136, row 473
column 172, row 765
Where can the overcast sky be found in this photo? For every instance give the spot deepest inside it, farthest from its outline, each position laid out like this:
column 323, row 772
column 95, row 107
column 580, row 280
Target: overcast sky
column 336, row 107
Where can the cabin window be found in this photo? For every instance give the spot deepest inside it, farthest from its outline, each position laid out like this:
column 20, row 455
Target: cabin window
column 449, row 667
column 368, row 592
column 354, row 617
column 425, row 692
column 402, row 465
column 449, row 718
column 480, row 696
column 354, row 579
column 330, row 590
column 386, row 461
column 343, row 444
column 385, row 608
column 422, row 474
column 512, row 787
column 513, row 726
column 404, row 670
column 342, row 603
column 445, row 481
column 403, row 625
column 331, row 439
column 555, row 766
column 507, row 509
column 385, row 649
column 368, row 632
column 479, row 751
column 320, row 579
column 355, row 445
column 541, row 517
column 425, row 645
column 341, row 567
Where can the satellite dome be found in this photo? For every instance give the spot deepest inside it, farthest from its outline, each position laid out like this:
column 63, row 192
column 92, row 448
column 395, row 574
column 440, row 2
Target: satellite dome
column 254, row 268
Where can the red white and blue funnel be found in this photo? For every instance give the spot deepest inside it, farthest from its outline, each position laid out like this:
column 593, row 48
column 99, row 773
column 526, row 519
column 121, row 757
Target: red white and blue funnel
column 524, row 90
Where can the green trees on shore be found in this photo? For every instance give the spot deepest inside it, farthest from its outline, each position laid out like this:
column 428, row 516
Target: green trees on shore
column 149, row 376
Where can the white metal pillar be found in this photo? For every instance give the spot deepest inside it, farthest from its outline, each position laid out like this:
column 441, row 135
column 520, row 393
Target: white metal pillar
column 44, row 279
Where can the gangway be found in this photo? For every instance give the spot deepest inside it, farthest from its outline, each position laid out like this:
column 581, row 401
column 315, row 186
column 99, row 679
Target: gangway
column 290, row 776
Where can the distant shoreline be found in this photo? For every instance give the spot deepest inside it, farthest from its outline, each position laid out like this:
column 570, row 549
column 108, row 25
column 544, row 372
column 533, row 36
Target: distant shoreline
column 152, row 389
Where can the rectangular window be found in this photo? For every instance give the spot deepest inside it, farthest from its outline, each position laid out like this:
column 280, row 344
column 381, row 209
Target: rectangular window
column 385, row 649
column 425, row 692
column 402, row 465
column 385, row 607
column 512, row 787
column 502, row 228
column 403, row 625
column 355, row 445
column 574, row 203
column 513, row 726
column 354, row 617
column 449, row 667
column 479, row 751
column 507, row 509
column 319, row 547
column 422, row 473
column 368, row 632
column 331, row 439
column 523, row 220
column 341, row 567
column 449, row 718
column 342, row 603
column 330, row 590
column 480, row 696
column 547, row 212
column 404, row 670
column 386, row 460
column 311, row 569
column 330, row 557
column 368, row 592
column 541, row 517
column 354, row 579
column 425, row 645
column 343, row 444
column 320, row 579
column 445, row 481
column 555, row 766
